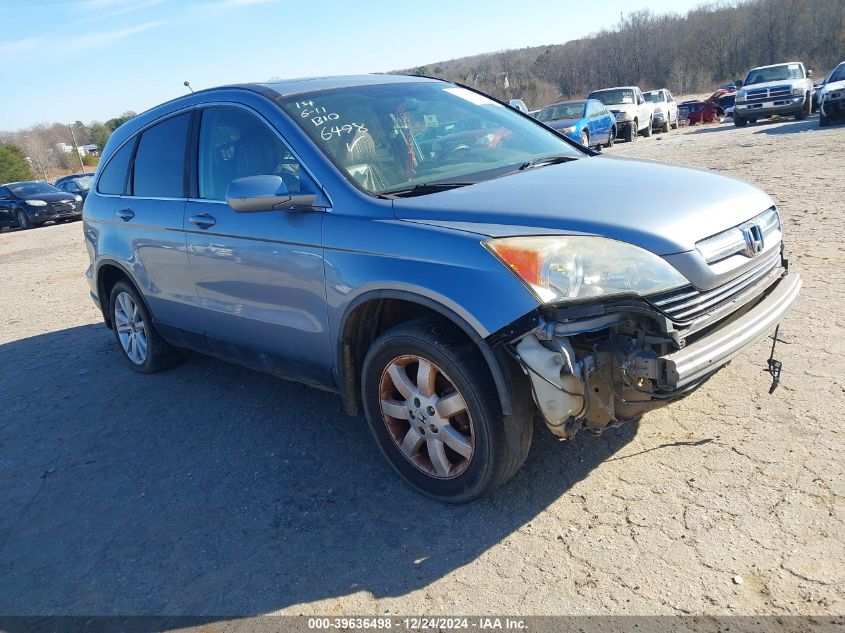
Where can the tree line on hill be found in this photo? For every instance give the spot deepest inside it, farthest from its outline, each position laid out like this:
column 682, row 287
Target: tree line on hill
column 710, row 45
column 38, row 152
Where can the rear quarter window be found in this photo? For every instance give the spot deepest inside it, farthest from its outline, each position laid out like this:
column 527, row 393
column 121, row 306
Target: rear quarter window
column 113, row 179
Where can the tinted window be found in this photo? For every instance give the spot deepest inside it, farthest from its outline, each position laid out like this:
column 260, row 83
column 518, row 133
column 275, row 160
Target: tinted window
column 5, row 193
column 160, row 160
column 113, row 178
column 235, row 144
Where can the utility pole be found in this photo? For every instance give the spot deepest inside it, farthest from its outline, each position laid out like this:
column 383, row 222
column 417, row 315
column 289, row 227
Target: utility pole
column 76, row 147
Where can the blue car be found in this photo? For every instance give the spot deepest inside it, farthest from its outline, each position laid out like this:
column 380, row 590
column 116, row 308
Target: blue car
column 586, row 121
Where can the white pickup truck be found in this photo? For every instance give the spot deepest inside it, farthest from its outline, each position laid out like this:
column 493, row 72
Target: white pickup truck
column 784, row 89
column 634, row 115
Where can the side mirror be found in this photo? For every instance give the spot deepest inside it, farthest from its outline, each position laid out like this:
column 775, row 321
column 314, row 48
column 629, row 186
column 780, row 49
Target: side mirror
column 738, row 84
column 809, row 74
column 264, row 193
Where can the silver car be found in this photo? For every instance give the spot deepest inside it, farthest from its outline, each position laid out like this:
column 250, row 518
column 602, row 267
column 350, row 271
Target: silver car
column 449, row 266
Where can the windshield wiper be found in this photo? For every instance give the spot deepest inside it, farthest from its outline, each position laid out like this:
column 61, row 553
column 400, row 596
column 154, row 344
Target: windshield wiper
column 547, row 160
column 423, row 189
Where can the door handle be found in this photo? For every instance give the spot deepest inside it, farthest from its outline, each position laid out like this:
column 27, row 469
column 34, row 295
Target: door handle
column 125, row 214
column 203, row 220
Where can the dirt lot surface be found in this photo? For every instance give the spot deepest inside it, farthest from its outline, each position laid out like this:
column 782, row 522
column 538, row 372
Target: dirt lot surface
column 211, row 489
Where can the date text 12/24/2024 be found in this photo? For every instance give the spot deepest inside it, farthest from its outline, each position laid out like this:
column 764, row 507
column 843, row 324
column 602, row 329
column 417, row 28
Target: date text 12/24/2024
column 417, row 623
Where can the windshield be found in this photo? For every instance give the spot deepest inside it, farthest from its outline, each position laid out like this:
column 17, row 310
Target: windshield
column 775, row 73
column 84, row 182
column 616, row 96
column 395, row 136
column 654, row 97
column 562, row 111
column 23, row 189
column 838, row 74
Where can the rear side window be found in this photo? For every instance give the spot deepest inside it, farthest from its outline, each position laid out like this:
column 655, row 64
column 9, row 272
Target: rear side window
column 160, row 160
column 113, row 179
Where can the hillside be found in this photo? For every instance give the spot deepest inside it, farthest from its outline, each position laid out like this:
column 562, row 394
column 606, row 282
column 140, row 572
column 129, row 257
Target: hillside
column 709, row 45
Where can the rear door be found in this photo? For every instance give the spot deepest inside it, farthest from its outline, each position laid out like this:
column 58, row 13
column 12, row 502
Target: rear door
column 259, row 276
column 149, row 219
column 6, row 204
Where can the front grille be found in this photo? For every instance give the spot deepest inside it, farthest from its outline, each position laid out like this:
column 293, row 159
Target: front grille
column 776, row 92
column 62, row 207
column 686, row 304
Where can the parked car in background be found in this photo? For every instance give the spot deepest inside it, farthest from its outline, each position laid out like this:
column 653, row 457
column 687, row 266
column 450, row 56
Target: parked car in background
column 832, row 97
column 633, row 113
column 76, row 184
column 665, row 109
column 783, row 89
column 518, row 104
column 698, row 112
column 586, row 121
column 32, row 204
column 451, row 293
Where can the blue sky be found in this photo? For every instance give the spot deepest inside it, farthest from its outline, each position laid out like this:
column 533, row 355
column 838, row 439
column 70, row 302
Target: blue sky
column 68, row 60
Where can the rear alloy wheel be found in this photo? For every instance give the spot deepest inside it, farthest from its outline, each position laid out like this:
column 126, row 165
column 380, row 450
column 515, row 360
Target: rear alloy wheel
column 136, row 335
column 435, row 415
column 23, row 220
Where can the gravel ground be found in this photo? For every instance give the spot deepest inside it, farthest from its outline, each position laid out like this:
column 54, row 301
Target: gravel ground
column 211, row 489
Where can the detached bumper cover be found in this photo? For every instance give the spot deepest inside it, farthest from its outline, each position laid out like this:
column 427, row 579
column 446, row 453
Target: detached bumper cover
column 711, row 352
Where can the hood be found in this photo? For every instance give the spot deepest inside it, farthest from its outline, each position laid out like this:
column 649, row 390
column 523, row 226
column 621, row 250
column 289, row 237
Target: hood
column 832, row 87
column 50, row 197
column 623, row 107
column 558, row 124
column 663, row 208
column 770, row 84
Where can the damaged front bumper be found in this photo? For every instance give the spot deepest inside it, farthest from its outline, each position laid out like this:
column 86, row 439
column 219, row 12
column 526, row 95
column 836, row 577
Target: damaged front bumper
column 597, row 365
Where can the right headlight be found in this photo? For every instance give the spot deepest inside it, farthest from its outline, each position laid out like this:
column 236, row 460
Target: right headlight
column 741, row 97
column 569, row 268
column 622, row 116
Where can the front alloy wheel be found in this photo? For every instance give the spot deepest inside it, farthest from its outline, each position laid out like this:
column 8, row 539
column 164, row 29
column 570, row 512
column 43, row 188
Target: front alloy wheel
column 435, row 414
column 426, row 416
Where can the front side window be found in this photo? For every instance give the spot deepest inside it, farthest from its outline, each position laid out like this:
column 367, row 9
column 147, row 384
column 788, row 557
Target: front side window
column 838, row 74
column 235, row 144
column 391, row 137
column 159, row 170
column 113, row 179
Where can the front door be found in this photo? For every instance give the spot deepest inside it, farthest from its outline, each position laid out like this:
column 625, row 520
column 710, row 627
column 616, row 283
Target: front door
column 258, row 276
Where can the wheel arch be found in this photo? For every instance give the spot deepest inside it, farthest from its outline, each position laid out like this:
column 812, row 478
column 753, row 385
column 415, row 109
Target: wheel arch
column 107, row 273
column 375, row 311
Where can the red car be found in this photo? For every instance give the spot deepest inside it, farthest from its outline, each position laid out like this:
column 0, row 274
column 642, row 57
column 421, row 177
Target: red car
column 698, row 112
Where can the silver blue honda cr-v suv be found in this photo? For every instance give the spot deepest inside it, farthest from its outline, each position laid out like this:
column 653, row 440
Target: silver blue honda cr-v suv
column 448, row 265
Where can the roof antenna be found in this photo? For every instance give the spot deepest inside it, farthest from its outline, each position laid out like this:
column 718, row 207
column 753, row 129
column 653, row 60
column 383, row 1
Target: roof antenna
column 187, row 84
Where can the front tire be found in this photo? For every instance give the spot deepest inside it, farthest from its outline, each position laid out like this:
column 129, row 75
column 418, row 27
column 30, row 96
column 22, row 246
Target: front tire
column 675, row 124
column 804, row 112
column 585, row 139
column 611, row 139
column 739, row 121
column 23, row 220
column 434, row 413
column 824, row 120
column 647, row 130
column 139, row 342
column 631, row 131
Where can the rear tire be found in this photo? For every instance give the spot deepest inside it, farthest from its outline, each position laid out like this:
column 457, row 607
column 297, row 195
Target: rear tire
column 140, row 344
column 411, row 427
